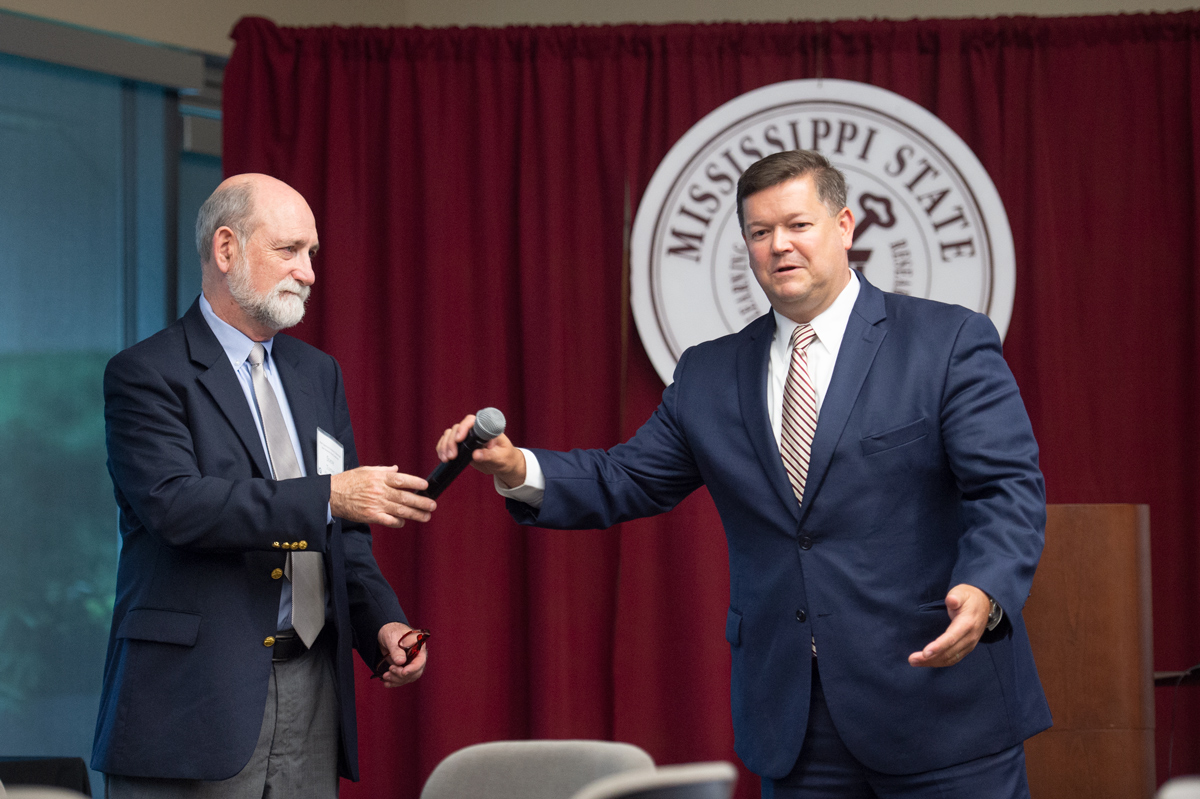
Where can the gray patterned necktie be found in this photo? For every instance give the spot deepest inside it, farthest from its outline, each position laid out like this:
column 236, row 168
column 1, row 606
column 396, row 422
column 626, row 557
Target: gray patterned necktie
column 306, row 570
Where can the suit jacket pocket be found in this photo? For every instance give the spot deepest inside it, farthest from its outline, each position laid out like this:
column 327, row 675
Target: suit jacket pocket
column 164, row 626
column 733, row 628
column 897, row 436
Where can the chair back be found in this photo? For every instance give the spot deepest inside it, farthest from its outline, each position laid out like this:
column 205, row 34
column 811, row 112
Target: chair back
column 689, row 781
column 537, row 769
column 1179, row 788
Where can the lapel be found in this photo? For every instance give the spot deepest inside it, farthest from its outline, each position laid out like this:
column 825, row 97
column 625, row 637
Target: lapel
column 301, row 398
column 218, row 377
column 864, row 334
column 753, row 357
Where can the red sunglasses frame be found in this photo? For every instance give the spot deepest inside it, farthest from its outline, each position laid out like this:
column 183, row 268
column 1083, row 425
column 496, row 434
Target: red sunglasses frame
column 410, row 652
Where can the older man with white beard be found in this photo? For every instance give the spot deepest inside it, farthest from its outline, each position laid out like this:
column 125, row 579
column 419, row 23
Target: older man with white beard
column 246, row 574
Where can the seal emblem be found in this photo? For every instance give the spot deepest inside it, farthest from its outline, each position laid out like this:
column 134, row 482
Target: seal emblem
column 928, row 219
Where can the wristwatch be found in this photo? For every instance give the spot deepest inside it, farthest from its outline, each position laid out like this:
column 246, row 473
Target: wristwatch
column 995, row 614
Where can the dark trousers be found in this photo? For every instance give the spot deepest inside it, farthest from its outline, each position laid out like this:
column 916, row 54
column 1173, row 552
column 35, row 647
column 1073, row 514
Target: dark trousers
column 827, row 770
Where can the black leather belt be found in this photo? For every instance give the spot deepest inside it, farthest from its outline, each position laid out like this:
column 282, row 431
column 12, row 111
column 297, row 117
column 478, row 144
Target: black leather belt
column 288, row 645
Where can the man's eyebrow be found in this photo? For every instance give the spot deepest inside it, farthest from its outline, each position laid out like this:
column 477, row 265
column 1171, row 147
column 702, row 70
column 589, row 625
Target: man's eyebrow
column 298, row 243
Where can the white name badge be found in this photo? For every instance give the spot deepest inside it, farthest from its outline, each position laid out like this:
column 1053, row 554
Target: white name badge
column 330, row 454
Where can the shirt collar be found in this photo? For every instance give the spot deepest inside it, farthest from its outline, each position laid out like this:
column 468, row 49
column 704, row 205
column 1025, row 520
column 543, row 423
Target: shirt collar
column 237, row 345
column 830, row 324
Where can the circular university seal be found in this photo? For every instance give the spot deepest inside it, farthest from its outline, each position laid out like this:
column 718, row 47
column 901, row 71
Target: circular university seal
column 928, row 220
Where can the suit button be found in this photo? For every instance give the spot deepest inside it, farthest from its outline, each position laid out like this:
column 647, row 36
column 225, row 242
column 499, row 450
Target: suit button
column 805, row 542
column 276, row 574
column 801, row 615
column 269, row 641
column 302, row 545
column 275, row 545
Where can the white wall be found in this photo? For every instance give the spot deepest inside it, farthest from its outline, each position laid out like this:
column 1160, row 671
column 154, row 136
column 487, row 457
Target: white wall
column 205, row 24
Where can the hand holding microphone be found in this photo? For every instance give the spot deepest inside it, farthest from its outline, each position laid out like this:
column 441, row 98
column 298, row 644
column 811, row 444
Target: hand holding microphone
column 488, row 424
column 483, row 434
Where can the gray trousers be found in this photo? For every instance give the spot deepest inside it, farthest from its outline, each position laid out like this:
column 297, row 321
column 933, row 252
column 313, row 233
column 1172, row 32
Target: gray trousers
column 296, row 755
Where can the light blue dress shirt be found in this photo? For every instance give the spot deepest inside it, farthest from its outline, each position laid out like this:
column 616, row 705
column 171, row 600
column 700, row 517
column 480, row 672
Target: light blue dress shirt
column 237, row 346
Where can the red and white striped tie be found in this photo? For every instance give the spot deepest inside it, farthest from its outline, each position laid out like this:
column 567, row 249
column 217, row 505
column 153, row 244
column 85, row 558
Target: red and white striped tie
column 799, row 411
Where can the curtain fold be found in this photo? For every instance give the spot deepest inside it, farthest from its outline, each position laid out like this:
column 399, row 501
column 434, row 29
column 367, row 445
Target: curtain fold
column 470, row 190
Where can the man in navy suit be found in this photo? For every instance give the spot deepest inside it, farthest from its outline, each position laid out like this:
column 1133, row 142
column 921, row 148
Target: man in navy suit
column 875, row 610
column 208, row 691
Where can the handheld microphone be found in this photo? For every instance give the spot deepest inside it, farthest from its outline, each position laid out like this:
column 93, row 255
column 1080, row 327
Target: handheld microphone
column 489, row 423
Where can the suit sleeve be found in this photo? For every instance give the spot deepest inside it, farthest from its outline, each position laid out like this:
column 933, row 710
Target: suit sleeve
column 647, row 475
column 994, row 459
column 373, row 603
column 152, row 457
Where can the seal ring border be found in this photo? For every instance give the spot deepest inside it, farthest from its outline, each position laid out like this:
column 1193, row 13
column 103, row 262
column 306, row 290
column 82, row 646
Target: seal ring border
column 696, row 142
column 653, row 271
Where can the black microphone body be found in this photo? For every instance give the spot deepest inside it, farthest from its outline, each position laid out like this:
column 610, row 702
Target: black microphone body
column 445, row 473
column 489, row 423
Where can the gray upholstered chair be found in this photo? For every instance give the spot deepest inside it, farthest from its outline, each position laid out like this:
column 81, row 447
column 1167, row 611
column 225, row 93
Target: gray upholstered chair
column 530, row 769
column 689, row 781
column 40, row 792
column 1180, row 788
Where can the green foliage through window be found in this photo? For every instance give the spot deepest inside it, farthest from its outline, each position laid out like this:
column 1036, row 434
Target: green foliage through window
column 59, row 539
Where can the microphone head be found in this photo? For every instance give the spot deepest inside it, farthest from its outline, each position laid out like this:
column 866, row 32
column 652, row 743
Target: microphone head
column 489, row 423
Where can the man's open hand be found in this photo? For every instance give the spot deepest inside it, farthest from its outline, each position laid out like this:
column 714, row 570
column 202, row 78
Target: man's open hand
column 379, row 495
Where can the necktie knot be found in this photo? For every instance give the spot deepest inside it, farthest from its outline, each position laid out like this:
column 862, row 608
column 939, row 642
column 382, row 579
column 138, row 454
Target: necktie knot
column 258, row 354
column 803, row 335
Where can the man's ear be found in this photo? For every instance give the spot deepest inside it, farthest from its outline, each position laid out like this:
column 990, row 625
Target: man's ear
column 225, row 249
column 845, row 223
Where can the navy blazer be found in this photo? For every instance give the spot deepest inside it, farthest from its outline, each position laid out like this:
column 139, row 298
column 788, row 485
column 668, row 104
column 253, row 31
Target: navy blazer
column 923, row 475
column 185, row 678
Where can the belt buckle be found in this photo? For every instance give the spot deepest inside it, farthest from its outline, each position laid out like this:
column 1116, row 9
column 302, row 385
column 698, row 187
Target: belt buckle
column 287, row 646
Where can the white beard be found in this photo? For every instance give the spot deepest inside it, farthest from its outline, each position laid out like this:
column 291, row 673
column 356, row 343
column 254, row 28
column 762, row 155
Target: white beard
column 280, row 308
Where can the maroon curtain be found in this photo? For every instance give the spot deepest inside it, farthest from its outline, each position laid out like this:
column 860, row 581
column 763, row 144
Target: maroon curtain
column 471, row 187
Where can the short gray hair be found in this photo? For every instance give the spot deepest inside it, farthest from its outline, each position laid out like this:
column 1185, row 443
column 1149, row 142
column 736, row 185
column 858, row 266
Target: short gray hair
column 231, row 207
column 788, row 165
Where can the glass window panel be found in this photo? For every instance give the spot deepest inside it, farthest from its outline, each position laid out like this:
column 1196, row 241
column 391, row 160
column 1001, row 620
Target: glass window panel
column 60, row 209
column 84, row 164
column 198, row 176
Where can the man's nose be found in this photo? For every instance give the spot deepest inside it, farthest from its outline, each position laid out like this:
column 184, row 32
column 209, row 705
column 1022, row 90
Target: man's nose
column 780, row 242
column 304, row 270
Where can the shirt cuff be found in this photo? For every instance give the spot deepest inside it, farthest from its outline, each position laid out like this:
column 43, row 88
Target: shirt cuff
column 533, row 489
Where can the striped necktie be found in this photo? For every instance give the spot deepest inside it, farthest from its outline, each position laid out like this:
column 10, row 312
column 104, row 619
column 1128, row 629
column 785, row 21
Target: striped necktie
column 799, row 411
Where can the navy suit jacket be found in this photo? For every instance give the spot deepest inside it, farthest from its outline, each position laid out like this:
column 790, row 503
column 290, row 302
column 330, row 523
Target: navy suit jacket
column 923, row 475
column 185, row 679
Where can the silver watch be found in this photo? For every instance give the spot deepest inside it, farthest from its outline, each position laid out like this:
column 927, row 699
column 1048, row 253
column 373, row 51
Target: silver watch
column 995, row 614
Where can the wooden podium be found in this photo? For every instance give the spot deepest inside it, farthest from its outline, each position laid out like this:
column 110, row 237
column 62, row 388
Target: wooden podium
column 1088, row 618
